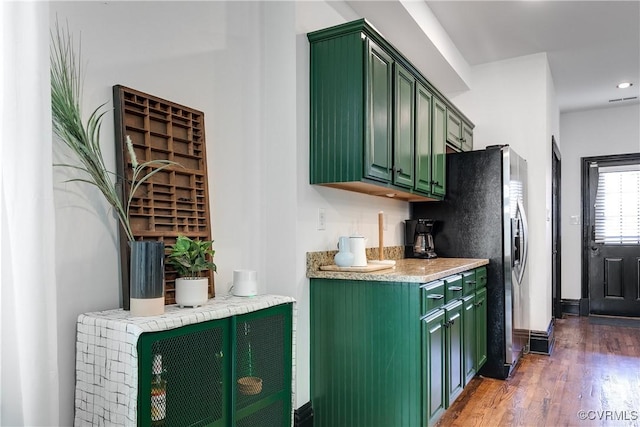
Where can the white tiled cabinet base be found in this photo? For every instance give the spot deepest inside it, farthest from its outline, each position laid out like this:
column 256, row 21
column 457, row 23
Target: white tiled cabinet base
column 107, row 359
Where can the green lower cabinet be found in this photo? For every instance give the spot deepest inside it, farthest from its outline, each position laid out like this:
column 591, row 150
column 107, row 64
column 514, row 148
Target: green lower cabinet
column 389, row 353
column 366, row 358
column 481, row 327
column 454, row 355
column 470, row 340
column 435, row 367
column 202, row 363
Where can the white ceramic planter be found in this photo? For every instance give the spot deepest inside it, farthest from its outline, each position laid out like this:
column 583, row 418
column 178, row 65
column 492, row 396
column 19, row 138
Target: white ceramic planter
column 192, row 291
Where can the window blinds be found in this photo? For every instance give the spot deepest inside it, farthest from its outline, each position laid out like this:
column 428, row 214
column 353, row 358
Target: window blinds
column 617, row 207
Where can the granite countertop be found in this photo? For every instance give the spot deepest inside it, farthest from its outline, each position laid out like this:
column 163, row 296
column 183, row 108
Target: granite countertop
column 406, row 270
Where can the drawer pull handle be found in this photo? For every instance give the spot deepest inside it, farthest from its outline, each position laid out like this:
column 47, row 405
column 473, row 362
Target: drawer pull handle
column 455, row 288
column 470, row 282
column 435, row 296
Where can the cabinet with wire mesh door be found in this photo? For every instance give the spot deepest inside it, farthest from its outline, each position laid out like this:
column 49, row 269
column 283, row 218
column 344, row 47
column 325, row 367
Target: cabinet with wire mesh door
column 234, row 371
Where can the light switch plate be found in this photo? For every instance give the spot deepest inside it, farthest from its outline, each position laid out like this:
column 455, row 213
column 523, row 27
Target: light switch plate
column 322, row 219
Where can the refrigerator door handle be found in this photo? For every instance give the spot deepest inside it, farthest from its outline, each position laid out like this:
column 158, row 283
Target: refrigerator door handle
column 525, row 239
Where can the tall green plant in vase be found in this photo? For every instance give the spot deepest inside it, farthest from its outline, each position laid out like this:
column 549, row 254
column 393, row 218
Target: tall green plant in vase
column 83, row 141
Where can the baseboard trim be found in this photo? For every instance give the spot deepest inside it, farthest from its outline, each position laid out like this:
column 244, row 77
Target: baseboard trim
column 542, row 342
column 584, row 306
column 571, row 306
column 303, row 416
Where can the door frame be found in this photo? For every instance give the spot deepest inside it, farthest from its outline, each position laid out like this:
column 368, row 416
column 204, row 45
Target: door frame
column 586, row 218
column 556, row 273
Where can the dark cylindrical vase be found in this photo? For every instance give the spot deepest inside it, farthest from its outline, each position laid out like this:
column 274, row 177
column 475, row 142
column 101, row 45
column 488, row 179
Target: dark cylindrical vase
column 146, row 278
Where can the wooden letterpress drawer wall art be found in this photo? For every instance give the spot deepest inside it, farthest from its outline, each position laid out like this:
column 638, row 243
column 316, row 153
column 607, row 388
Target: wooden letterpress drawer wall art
column 175, row 201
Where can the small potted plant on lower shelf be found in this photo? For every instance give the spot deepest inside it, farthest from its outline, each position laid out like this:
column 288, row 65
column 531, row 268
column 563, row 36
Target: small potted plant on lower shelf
column 191, row 258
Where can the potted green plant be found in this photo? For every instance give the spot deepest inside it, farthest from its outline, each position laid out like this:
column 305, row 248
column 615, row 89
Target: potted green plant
column 83, row 141
column 191, row 258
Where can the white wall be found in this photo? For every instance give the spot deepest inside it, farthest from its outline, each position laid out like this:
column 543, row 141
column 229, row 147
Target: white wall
column 246, row 66
column 513, row 102
column 584, row 134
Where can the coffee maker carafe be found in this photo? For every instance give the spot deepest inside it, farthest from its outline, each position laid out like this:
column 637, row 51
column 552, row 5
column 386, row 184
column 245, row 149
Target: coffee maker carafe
column 419, row 238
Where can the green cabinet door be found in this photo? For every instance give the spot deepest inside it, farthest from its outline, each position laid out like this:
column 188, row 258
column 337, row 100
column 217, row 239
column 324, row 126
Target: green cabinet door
column 434, row 367
column 262, row 347
column 337, row 118
column 424, row 102
column 454, row 355
column 467, row 137
column 481, row 327
column 197, row 367
column 379, row 81
column 366, row 353
column 459, row 132
column 470, row 342
column 454, row 129
column 404, row 128
column 438, row 147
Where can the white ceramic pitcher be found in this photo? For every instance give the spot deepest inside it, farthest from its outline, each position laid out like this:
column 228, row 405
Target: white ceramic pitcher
column 344, row 257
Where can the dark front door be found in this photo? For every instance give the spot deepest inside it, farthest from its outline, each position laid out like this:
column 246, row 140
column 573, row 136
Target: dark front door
column 612, row 238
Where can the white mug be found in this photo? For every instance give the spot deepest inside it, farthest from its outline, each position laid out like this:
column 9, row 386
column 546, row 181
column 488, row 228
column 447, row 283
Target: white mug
column 245, row 283
column 359, row 251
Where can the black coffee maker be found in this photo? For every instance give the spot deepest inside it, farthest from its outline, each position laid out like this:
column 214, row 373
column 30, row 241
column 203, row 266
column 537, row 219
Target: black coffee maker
column 418, row 238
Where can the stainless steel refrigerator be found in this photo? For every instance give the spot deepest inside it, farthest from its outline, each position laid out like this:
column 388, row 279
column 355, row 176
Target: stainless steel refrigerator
column 484, row 216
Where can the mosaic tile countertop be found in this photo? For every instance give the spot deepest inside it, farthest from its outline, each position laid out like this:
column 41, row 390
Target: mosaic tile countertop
column 107, row 357
column 406, row 270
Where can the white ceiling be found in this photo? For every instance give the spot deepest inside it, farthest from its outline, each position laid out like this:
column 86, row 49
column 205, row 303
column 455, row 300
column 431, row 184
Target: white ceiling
column 591, row 45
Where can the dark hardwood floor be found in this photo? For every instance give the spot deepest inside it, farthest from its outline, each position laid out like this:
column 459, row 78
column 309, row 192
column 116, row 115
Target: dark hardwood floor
column 592, row 378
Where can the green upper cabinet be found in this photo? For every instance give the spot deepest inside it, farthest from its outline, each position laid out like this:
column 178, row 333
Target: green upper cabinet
column 439, row 148
column 374, row 123
column 378, row 160
column 459, row 131
column 424, row 103
column 405, row 108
